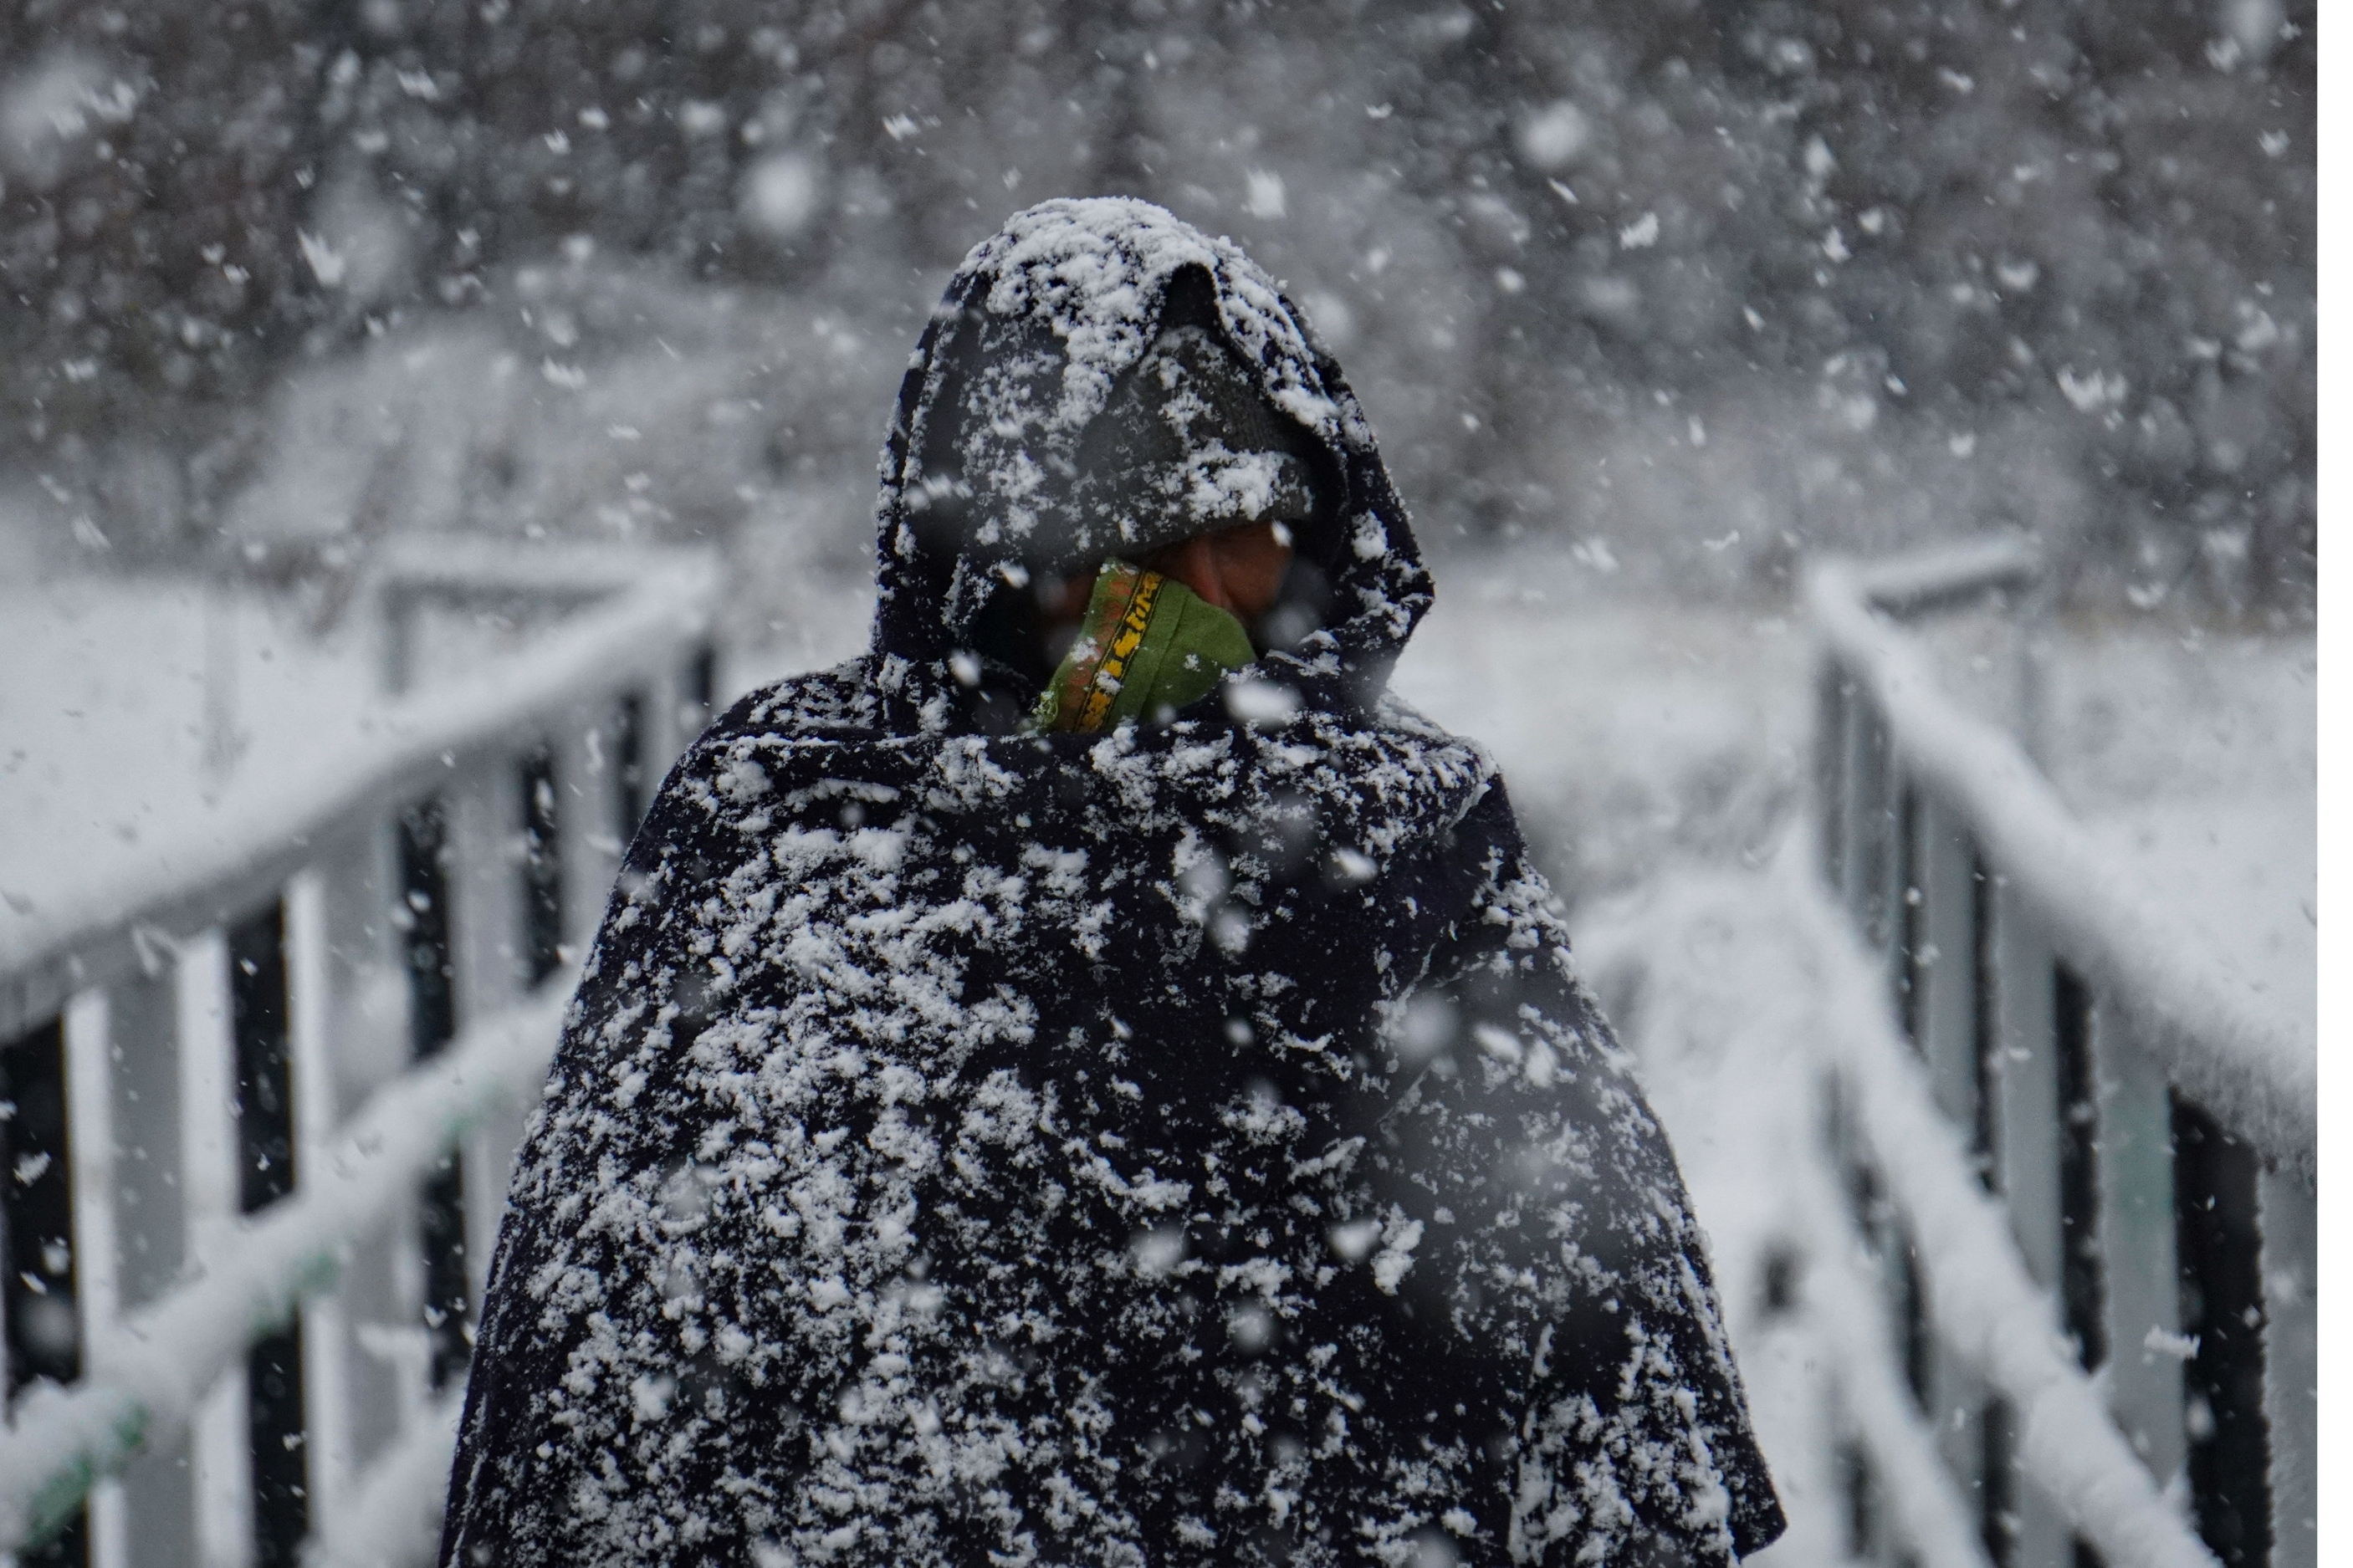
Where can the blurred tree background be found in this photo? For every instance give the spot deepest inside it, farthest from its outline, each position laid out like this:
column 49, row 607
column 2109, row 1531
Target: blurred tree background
column 1699, row 284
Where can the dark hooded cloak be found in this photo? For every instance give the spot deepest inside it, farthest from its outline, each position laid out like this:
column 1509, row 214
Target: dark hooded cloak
column 1185, row 1144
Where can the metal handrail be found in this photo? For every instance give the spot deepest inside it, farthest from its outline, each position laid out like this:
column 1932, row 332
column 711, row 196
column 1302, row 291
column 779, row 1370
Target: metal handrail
column 1986, row 1307
column 99, row 933
column 2068, row 1023
column 591, row 707
column 2252, row 1067
column 151, row 1374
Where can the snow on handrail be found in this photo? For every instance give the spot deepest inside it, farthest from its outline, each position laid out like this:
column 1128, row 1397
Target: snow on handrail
column 466, row 564
column 149, row 1374
column 2247, row 1064
column 1929, row 1510
column 396, row 1520
column 1984, row 1305
column 667, row 600
column 1905, row 584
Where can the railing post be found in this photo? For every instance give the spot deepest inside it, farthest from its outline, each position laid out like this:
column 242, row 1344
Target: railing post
column 220, row 1469
column 2141, row 1281
column 632, row 773
column 487, row 918
column 148, row 1517
column 356, row 995
column 2026, row 1084
column 1944, row 897
column 95, row 1152
column 484, row 851
column 311, row 1048
column 1830, row 702
column 2291, row 1364
column 1867, row 835
column 349, row 1012
column 2027, row 1140
column 1942, row 902
column 587, row 770
column 143, row 1083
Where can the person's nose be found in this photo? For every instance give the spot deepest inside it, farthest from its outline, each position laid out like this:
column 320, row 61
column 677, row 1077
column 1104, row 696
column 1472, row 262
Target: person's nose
column 1196, row 563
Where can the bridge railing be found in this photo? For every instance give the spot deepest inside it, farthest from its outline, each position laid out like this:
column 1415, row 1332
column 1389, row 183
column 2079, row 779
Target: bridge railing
column 264, row 1093
column 2123, row 1357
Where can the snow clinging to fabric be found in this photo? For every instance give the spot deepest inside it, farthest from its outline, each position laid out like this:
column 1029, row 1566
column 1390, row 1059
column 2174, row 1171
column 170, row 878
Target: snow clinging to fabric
column 1188, row 1143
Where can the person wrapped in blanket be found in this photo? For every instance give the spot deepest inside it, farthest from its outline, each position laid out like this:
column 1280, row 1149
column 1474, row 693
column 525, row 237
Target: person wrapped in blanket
column 1098, row 1079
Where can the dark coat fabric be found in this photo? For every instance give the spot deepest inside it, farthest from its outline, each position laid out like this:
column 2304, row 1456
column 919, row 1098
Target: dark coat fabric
column 1187, row 1144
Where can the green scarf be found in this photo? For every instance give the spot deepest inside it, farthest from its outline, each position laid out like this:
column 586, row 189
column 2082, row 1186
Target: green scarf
column 1148, row 642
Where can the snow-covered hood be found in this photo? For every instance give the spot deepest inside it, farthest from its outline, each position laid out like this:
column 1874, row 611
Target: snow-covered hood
column 1033, row 334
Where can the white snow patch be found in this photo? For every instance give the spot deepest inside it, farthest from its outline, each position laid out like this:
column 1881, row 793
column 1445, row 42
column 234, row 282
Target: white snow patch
column 1554, row 136
column 1265, row 199
column 326, row 263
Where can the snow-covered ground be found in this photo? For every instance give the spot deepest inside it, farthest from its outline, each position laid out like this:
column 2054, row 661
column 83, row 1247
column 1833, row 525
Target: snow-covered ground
column 1709, row 984
column 138, row 719
column 1636, row 733
column 1629, row 729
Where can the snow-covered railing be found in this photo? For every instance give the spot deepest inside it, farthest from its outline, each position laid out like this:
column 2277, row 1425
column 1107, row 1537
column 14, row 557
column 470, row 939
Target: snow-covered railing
column 2147, row 1130
column 265, row 1100
column 153, row 1367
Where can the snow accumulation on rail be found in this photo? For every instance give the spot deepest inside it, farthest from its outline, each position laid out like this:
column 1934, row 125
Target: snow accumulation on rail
column 149, row 1374
column 1735, row 989
column 2237, row 1051
column 113, row 813
column 396, row 1520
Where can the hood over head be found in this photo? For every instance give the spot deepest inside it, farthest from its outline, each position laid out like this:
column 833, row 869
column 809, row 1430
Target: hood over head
column 1068, row 401
column 1188, row 442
